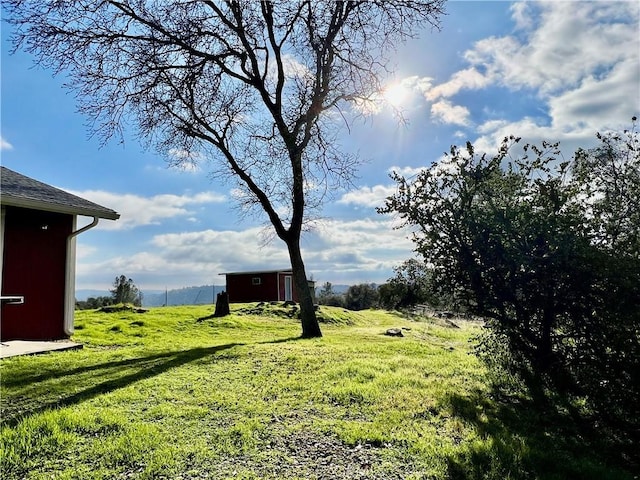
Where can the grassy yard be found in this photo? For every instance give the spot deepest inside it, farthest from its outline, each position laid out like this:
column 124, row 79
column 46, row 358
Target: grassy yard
column 166, row 395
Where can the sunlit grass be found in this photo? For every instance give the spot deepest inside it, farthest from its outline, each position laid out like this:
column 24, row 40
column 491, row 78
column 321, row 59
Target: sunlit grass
column 166, row 394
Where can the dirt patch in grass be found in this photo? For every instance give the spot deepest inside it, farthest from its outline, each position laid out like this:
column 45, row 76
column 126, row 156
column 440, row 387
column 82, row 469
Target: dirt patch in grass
column 310, row 455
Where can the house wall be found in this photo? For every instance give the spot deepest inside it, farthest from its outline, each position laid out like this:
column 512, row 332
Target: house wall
column 241, row 288
column 34, row 263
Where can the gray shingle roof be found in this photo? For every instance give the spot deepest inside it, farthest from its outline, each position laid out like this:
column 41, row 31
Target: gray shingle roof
column 20, row 191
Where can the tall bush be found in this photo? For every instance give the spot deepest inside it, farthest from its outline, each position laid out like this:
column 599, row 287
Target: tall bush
column 547, row 251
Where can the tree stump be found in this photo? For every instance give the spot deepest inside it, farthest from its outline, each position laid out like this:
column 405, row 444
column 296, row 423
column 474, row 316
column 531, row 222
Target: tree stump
column 222, row 305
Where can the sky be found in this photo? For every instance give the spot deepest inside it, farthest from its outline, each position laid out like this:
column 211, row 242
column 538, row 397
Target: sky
column 559, row 71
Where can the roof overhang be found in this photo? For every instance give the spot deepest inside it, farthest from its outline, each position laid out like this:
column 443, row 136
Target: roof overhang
column 256, row 272
column 33, row 204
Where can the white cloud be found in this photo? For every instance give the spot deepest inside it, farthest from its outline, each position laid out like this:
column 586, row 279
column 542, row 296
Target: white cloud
column 406, row 171
column 571, row 41
column 596, row 102
column 581, row 60
column 521, row 15
column 491, row 126
column 460, row 134
column 445, row 112
column 416, row 83
column 84, row 251
column 5, row 145
column 467, row 79
column 230, row 250
column 533, row 132
column 136, row 210
column 293, row 68
column 367, row 196
column 420, row 84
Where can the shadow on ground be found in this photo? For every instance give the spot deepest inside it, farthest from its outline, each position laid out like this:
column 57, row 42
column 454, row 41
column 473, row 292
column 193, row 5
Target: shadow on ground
column 64, row 387
column 530, row 442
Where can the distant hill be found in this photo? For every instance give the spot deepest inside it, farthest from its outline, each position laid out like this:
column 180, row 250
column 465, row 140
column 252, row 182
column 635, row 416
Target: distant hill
column 203, row 295
column 82, row 295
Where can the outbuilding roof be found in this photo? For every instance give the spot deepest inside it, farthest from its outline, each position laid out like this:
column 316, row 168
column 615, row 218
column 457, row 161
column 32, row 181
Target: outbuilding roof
column 256, row 272
column 18, row 190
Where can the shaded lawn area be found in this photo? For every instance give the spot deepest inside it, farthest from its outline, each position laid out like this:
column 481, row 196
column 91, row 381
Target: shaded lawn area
column 164, row 395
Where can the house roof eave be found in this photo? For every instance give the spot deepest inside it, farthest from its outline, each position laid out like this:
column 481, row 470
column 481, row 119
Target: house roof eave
column 255, row 272
column 57, row 208
column 18, row 190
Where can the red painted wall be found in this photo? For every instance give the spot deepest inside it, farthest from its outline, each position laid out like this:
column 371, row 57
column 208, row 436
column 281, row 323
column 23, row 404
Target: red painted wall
column 34, row 264
column 241, row 289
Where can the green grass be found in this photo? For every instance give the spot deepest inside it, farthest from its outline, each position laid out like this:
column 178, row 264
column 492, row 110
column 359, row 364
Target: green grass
column 165, row 394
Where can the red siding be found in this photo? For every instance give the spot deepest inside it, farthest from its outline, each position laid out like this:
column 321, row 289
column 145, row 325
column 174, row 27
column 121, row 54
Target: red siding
column 241, row 288
column 34, row 265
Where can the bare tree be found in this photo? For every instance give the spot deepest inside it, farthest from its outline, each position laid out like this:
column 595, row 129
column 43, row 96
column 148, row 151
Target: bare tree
column 262, row 87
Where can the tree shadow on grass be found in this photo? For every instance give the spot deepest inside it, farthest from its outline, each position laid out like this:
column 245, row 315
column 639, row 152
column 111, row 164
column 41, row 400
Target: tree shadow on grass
column 523, row 440
column 62, row 388
column 284, row 340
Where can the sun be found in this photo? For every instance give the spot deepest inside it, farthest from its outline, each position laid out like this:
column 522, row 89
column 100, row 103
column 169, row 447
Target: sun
column 395, row 94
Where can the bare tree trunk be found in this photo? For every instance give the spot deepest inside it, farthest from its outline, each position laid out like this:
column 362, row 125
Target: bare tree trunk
column 310, row 325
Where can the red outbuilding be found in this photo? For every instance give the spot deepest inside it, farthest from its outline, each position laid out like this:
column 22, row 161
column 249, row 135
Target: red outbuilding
column 38, row 256
column 262, row 286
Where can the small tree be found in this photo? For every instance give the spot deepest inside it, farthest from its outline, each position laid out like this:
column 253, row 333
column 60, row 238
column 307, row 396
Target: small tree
column 326, row 290
column 361, row 297
column 125, row 291
column 327, row 296
column 411, row 285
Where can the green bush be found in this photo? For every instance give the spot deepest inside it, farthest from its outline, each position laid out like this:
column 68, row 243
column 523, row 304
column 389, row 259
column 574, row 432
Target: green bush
column 548, row 252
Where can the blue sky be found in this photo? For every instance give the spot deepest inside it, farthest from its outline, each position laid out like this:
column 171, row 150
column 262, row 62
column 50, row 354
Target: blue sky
column 554, row 70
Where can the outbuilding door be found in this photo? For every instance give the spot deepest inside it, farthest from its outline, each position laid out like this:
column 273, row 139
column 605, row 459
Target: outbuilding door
column 288, row 288
column 34, row 265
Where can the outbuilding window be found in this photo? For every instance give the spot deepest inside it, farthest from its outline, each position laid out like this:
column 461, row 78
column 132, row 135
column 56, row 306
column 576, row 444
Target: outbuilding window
column 256, row 281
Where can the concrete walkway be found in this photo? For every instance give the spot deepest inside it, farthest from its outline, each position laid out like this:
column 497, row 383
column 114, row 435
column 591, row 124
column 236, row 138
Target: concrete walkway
column 13, row 348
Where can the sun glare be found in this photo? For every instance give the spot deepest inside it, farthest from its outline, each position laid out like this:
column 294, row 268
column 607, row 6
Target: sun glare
column 396, row 94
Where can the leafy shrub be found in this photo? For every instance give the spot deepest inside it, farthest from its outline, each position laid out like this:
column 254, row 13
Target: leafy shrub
column 549, row 252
